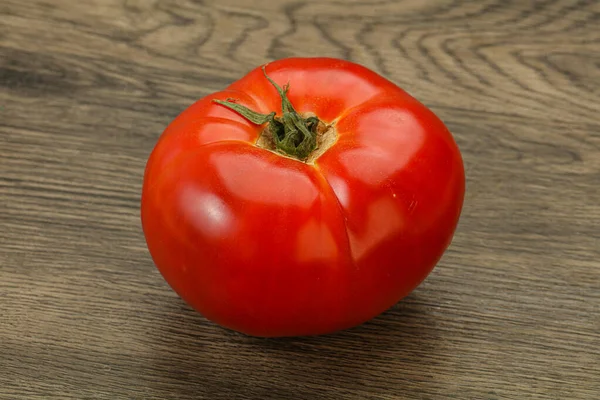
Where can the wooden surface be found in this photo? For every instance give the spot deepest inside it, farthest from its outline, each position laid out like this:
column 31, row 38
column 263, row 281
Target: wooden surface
column 511, row 312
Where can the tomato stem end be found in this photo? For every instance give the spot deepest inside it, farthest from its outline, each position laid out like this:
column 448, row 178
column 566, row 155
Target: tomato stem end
column 292, row 134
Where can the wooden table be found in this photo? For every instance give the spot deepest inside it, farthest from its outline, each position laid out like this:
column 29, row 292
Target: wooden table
column 512, row 311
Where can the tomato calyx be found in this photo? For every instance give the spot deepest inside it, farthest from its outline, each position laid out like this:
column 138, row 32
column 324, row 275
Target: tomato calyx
column 290, row 134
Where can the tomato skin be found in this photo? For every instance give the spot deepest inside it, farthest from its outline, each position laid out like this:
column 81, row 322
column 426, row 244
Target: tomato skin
column 271, row 246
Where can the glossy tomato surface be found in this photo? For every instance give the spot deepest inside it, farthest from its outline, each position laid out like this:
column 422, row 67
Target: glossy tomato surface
column 271, row 246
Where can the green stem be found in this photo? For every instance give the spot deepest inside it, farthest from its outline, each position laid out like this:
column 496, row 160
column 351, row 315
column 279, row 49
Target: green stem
column 292, row 134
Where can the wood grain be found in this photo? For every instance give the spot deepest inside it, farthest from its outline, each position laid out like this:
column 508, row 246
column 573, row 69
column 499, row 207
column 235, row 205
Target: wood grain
column 511, row 312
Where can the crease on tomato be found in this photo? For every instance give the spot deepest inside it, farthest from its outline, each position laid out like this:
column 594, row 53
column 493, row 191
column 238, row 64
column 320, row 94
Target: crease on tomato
column 340, row 208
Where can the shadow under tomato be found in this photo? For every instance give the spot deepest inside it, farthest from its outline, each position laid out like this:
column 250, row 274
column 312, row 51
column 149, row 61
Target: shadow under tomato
column 197, row 359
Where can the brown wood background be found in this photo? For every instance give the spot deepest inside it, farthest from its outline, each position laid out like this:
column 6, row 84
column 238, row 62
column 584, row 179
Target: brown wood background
column 511, row 312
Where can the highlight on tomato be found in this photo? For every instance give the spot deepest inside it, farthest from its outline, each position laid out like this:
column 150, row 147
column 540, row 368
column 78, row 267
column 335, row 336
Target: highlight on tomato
column 306, row 198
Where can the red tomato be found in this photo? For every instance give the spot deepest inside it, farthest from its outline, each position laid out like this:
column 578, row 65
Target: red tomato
column 285, row 225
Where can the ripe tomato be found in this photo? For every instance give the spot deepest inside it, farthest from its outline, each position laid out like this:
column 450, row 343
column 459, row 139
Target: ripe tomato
column 301, row 210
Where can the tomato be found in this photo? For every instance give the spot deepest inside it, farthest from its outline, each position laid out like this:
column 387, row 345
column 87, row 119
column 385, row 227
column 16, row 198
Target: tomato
column 306, row 198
